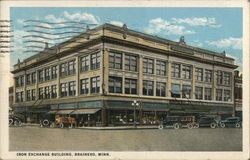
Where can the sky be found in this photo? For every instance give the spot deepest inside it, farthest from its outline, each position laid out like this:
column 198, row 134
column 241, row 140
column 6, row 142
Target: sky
column 215, row 29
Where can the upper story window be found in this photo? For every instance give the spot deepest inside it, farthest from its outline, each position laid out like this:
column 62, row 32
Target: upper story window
column 130, row 63
column 33, row 77
column 208, row 75
column 95, row 85
column 33, row 94
column 227, row 95
column 130, row 86
column 161, row 68
column 47, row 92
column 72, row 67
column 28, row 95
column 208, row 93
column 17, row 82
column 84, row 64
column 95, row 60
column 84, row 86
column 47, row 74
column 176, row 90
column 40, row 93
column 41, row 76
column 227, row 78
column 64, row 69
column 218, row 94
column 198, row 93
column 148, row 66
column 186, row 71
column 115, row 60
column 161, row 89
column 219, row 77
column 28, row 79
column 64, row 89
column 199, row 74
column 115, row 85
column 19, row 96
column 148, row 88
column 186, row 91
column 21, row 80
column 72, row 88
column 54, row 72
column 176, row 70
column 53, row 91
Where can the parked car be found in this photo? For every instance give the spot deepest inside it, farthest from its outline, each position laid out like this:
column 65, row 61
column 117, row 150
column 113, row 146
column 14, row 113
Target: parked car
column 47, row 120
column 178, row 122
column 14, row 120
column 207, row 122
column 231, row 122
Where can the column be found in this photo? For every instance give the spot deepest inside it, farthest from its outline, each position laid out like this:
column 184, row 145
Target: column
column 140, row 78
column 24, row 90
column 193, row 82
column 169, row 69
column 105, row 70
column 123, row 73
column 58, row 80
column 77, row 75
column 214, row 85
column 154, row 67
column 37, row 92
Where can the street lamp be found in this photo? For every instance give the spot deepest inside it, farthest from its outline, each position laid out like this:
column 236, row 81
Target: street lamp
column 135, row 104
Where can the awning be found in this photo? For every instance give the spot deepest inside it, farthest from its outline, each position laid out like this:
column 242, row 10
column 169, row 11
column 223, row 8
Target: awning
column 64, row 111
column 156, row 109
column 52, row 111
column 86, row 111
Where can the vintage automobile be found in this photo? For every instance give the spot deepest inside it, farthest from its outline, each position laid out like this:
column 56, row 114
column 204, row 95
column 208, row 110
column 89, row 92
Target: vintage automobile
column 65, row 121
column 207, row 122
column 178, row 122
column 47, row 121
column 231, row 122
column 15, row 120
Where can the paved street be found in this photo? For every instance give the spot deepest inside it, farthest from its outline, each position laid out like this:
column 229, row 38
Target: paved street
column 34, row 138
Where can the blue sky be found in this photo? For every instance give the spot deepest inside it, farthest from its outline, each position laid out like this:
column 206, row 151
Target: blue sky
column 215, row 29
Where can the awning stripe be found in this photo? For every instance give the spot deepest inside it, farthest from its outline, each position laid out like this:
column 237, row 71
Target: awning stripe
column 86, row 111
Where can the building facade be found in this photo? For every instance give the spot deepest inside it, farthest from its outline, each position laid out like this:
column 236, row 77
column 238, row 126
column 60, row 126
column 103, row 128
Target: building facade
column 238, row 93
column 98, row 74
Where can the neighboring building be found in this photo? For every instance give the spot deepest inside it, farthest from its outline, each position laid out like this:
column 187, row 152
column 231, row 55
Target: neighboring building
column 98, row 74
column 238, row 93
column 11, row 99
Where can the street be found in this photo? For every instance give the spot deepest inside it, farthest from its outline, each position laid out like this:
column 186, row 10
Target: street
column 33, row 138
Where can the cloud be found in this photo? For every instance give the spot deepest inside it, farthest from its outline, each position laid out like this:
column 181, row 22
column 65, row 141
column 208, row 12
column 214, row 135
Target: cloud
column 231, row 42
column 87, row 17
column 117, row 23
column 159, row 25
column 196, row 43
column 21, row 21
column 197, row 21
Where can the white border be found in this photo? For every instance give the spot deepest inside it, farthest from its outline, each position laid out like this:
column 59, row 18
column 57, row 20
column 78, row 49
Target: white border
column 5, row 67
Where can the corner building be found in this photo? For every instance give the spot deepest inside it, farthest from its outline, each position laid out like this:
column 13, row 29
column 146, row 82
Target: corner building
column 98, row 74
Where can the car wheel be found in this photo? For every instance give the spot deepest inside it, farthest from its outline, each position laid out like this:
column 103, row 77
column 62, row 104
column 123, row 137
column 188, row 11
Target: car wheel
column 190, row 126
column 52, row 125
column 161, row 127
column 71, row 125
column 222, row 125
column 176, row 126
column 46, row 122
column 237, row 125
column 196, row 125
column 213, row 125
column 61, row 125
column 10, row 122
column 19, row 123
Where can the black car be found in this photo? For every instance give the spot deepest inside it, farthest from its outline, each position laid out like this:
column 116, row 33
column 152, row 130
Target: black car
column 207, row 122
column 14, row 120
column 48, row 120
column 231, row 122
column 177, row 122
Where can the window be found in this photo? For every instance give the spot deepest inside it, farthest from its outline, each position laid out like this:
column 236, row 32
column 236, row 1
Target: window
column 198, row 93
column 54, row 72
column 17, row 83
column 21, row 96
column 161, row 89
column 186, row 91
column 130, row 86
column 227, row 95
column 84, row 64
column 148, row 66
column 219, row 77
column 148, row 88
column 64, row 89
column 28, row 95
column 130, row 63
column 208, row 75
column 227, row 78
column 115, row 60
column 47, row 74
column 176, row 91
column 72, row 88
column 176, row 72
column 95, row 85
column 40, row 93
column 63, row 69
column 18, row 96
column 161, row 68
column 199, row 74
column 40, row 76
column 33, row 96
column 95, row 60
column 28, row 79
column 208, row 93
column 72, row 67
column 186, row 72
column 47, row 92
column 84, row 86
column 53, row 91
column 33, row 77
column 115, row 85
column 22, row 80
column 218, row 94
